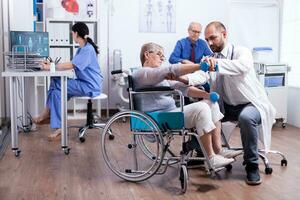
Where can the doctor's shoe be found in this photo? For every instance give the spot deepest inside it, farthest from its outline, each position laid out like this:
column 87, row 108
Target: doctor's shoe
column 218, row 161
column 253, row 177
column 228, row 153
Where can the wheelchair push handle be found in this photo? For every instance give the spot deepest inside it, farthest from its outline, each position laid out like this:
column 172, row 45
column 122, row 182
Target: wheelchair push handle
column 119, row 71
column 155, row 89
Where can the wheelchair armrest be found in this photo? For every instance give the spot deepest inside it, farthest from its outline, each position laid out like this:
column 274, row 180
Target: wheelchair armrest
column 156, row 89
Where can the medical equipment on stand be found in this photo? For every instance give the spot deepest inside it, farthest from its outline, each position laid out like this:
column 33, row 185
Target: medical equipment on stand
column 120, row 77
column 274, row 78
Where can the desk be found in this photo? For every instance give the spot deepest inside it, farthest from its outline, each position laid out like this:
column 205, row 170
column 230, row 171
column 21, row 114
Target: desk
column 13, row 75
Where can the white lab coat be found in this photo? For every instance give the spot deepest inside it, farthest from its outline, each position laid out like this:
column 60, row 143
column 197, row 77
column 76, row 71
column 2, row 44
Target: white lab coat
column 240, row 72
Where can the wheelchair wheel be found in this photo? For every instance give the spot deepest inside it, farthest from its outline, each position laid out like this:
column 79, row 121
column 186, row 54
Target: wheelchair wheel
column 123, row 151
column 183, row 177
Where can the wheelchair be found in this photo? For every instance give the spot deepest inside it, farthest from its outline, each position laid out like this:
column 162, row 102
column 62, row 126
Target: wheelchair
column 136, row 145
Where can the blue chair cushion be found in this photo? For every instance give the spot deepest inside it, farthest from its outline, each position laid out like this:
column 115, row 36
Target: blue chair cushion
column 164, row 120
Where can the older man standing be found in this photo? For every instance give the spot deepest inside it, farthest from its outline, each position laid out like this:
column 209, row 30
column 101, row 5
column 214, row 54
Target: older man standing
column 244, row 98
column 190, row 49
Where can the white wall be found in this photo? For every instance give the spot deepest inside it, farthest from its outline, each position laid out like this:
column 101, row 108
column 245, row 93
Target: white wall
column 256, row 24
column 294, row 106
column 2, row 99
column 290, row 54
column 124, row 31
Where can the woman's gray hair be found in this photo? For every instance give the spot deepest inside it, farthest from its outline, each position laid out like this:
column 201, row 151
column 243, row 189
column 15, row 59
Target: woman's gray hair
column 151, row 46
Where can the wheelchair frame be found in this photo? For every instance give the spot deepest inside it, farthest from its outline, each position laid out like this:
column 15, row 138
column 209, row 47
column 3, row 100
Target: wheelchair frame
column 159, row 158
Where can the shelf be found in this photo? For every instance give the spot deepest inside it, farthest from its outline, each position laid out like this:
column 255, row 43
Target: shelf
column 60, row 46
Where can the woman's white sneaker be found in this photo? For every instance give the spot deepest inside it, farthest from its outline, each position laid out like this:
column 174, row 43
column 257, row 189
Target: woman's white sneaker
column 217, row 161
column 228, row 153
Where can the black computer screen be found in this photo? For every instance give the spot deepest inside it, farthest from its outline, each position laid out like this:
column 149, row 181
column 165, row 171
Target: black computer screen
column 35, row 42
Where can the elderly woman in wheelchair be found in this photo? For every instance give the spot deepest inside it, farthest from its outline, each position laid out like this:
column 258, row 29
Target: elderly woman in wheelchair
column 149, row 135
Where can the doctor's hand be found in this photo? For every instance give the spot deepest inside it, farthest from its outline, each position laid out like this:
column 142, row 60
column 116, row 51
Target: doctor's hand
column 46, row 65
column 212, row 63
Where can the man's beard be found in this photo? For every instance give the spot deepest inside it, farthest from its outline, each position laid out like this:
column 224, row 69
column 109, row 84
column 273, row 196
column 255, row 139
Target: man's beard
column 216, row 48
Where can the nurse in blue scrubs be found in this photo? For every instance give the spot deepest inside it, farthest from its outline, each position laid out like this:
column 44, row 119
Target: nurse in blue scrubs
column 88, row 80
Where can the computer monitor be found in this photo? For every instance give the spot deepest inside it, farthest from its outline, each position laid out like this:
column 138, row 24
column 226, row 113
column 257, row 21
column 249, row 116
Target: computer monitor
column 36, row 42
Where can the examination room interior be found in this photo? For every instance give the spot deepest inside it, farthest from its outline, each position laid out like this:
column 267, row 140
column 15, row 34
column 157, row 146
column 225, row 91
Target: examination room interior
column 104, row 146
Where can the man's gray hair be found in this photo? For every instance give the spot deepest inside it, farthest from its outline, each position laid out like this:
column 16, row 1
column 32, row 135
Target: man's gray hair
column 194, row 23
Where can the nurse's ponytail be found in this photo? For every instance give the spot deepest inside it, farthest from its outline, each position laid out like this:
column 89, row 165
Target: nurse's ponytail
column 83, row 32
column 89, row 40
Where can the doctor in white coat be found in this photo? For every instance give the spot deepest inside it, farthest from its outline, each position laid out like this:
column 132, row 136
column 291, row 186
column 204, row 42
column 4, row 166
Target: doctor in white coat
column 243, row 97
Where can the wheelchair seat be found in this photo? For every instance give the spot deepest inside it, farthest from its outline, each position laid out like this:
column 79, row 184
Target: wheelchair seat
column 165, row 121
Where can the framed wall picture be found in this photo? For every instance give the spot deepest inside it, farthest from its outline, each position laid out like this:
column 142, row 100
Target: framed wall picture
column 157, row 16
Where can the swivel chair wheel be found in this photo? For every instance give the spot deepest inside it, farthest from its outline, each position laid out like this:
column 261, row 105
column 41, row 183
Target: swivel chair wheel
column 228, row 167
column 268, row 170
column 283, row 125
column 82, row 139
column 183, row 177
column 27, row 129
column 67, row 151
column 17, row 153
column 283, row 162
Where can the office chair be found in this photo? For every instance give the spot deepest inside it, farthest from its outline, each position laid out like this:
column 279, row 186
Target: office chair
column 91, row 122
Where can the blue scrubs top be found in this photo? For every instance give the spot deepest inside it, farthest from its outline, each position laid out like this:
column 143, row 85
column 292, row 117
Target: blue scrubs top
column 182, row 50
column 87, row 70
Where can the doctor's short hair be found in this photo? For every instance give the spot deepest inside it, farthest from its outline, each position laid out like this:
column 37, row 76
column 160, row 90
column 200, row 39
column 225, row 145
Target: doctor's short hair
column 149, row 47
column 218, row 25
column 82, row 31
